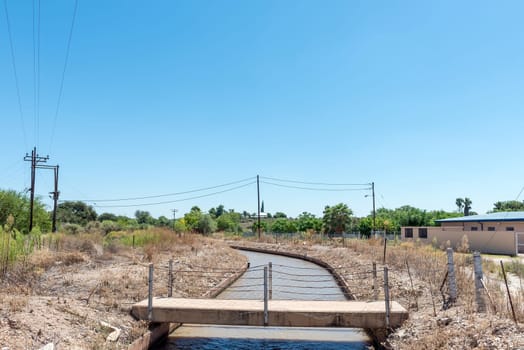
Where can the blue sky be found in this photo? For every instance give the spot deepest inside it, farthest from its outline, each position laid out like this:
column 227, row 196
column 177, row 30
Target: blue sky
column 423, row 98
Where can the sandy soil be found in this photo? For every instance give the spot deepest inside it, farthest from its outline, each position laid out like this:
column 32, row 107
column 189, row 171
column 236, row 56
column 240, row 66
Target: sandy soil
column 79, row 300
column 78, row 303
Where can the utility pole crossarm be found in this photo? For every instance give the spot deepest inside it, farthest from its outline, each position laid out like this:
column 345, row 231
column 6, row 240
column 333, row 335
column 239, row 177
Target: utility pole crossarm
column 35, row 160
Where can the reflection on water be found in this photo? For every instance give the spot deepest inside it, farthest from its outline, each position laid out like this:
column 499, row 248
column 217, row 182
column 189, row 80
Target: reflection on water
column 251, row 344
column 292, row 279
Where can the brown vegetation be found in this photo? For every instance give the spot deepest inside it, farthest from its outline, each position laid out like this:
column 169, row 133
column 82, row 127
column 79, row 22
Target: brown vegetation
column 70, row 289
column 416, row 275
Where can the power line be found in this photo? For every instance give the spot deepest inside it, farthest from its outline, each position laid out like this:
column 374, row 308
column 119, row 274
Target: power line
column 36, row 71
column 13, row 62
column 317, row 189
column 518, row 196
column 175, row 200
column 68, row 49
column 314, row 183
column 167, row 194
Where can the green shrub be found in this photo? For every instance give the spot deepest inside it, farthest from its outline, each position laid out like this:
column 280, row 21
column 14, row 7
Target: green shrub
column 72, row 229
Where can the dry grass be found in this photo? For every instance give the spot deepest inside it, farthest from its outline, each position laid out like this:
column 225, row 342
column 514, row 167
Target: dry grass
column 14, row 303
column 416, row 274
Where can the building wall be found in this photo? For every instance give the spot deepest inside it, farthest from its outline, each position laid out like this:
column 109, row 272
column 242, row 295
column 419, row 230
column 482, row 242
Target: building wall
column 492, row 242
column 485, row 226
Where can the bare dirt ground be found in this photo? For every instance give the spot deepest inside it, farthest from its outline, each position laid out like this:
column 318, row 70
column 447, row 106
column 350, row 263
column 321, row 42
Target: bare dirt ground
column 77, row 300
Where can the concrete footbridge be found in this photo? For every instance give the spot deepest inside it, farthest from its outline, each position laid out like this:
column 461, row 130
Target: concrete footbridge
column 281, row 313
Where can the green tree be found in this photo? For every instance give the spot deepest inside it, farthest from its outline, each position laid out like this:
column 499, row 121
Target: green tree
column 163, row 221
column 107, row 217
column 308, row 222
column 263, row 226
column 217, row 212
column 511, row 205
column 75, row 212
column 144, row 218
column 180, row 225
column 191, row 219
column 464, row 205
column 279, row 214
column 229, row 222
column 459, row 202
column 262, row 207
column 206, row 224
column 467, row 206
column 127, row 223
column 365, row 226
column 337, row 219
column 281, row 225
column 17, row 205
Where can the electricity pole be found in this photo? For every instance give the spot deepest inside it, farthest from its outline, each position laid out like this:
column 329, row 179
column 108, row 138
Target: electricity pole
column 258, row 194
column 34, row 159
column 55, row 194
column 374, row 213
column 174, row 219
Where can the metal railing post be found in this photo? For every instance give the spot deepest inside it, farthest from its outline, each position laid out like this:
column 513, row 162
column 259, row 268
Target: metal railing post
column 170, row 279
column 270, row 282
column 451, row 276
column 150, row 294
column 265, row 297
column 375, row 287
column 386, row 295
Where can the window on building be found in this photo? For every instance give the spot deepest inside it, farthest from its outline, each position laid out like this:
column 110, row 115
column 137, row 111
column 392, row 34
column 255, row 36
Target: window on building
column 491, row 228
column 510, row 228
column 474, row 228
column 422, row 232
column 408, row 232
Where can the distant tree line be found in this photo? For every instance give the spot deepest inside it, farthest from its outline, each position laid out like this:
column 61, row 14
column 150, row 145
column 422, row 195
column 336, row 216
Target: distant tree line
column 75, row 216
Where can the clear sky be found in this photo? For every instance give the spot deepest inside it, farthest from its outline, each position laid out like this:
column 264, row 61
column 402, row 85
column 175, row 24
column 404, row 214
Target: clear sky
column 424, row 98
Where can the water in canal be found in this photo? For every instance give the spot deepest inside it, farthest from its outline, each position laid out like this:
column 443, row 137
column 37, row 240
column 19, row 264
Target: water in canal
column 292, row 279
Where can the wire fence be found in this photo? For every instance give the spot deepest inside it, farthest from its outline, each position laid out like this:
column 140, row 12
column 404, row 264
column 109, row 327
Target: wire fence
column 415, row 282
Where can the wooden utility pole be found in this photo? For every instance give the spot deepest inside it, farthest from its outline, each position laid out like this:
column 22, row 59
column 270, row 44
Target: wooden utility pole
column 34, row 159
column 258, row 195
column 374, row 212
column 55, row 194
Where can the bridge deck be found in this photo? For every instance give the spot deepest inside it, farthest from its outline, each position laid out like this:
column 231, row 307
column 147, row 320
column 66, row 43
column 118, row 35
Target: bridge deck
column 282, row 313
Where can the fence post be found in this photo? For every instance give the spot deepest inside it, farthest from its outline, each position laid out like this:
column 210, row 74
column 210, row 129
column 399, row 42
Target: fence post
column 509, row 294
column 170, row 280
column 385, row 246
column 452, row 282
column 150, row 294
column 265, row 297
column 386, row 295
column 270, row 282
column 477, row 263
column 375, row 288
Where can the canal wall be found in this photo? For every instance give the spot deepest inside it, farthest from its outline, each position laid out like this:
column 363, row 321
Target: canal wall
column 378, row 336
column 159, row 331
column 338, row 278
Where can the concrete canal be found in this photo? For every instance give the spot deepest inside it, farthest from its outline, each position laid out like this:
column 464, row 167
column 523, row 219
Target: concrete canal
column 291, row 279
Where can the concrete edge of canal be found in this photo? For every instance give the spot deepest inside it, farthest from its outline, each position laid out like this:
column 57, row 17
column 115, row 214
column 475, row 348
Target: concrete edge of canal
column 378, row 336
column 159, row 331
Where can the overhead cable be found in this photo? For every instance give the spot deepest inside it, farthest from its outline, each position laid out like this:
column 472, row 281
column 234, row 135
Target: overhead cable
column 314, row 183
column 68, row 49
column 169, row 194
column 316, row 189
column 176, row 200
column 13, row 62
